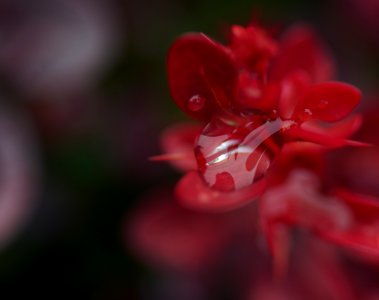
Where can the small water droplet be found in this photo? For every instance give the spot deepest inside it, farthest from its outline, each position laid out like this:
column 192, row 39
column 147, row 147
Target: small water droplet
column 307, row 112
column 323, row 104
column 196, row 103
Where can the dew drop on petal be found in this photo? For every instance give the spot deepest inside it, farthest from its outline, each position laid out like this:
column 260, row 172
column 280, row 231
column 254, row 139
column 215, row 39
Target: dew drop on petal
column 323, row 104
column 233, row 157
column 196, row 103
column 306, row 114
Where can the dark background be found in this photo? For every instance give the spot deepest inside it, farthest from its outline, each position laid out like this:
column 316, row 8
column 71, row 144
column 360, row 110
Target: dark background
column 95, row 124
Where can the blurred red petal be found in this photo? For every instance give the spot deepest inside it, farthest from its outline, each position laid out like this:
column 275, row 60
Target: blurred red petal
column 365, row 208
column 252, row 94
column 328, row 101
column 302, row 49
column 178, row 144
column 296, row 155
column 168, row 235
column 194, row 193
column 298, row 201
column 293, row 87
column 202, row 76
column 321, row 138
column 252, row 47
column 362, row 236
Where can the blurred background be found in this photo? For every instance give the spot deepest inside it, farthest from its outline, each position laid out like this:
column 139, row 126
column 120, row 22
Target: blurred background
column 84, row 97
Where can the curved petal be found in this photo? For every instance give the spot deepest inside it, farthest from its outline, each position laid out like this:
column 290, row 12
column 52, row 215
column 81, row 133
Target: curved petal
column 302, row 49
column 194, row 193
column 343, row 129
column 202, row 76
column 328, row 101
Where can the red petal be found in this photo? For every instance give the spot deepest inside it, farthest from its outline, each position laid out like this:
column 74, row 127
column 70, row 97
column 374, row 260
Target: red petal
column 364, row 207
column 362, row 235
column 178, row 144
column 202, row 76
column 328, row 101
column 252, row 47
column 194, row 193
column 303, row 50
column 252, row 94
column 296, row 155
column 293, row 87
column 342, row 129
column 321, row 138
column 166, row 234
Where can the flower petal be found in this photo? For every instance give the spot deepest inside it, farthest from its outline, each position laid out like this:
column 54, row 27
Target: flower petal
column 302, row 49
column 293, row 87
column 194, row 193
column 165, row 234
column 202, row 76
column 296, row 155
column 178, row 144
column 343, row 129
column 328, row 101
column 321, row 138
column 362, row 236
column 252, row 47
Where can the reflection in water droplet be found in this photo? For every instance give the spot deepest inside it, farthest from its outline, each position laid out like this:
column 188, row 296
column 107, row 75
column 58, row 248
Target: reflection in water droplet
column 237, row 155
column 196, row 103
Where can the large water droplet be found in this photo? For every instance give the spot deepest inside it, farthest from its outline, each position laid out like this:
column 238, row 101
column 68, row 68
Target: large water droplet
column 196, row 103
column 232, row 157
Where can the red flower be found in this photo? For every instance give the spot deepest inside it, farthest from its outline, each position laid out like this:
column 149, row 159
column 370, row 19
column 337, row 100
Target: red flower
column 269, row 116
column 254, row 96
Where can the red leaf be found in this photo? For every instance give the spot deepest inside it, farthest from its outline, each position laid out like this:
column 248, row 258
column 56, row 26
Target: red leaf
column 194, row 193
column 328, row 101
column 202, row 76
column 302, row 49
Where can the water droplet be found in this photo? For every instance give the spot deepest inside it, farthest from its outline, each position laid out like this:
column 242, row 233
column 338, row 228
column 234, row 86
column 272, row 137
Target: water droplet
column 196, row 103
column 323, row 104
column 237, row 156
column 307, row 112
